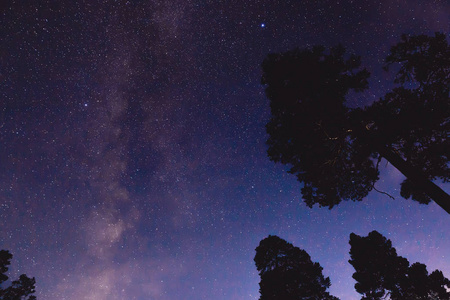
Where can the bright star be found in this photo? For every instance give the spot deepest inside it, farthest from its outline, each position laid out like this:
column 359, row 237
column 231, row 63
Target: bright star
column 263, row 25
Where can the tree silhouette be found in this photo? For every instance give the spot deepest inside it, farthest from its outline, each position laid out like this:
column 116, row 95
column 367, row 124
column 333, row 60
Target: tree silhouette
column 418, row 284
column 380, row 272
column 378, row 267
column 287, row 272
column 19, row 289
column 335, row 150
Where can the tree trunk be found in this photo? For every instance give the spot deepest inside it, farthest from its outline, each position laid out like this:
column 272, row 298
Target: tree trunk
column 431, row 189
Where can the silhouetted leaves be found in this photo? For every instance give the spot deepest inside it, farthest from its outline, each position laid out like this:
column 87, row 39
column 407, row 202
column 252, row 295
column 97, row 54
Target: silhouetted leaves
column 309, row 125
column 23, row 288
column 414, row 119
column 287, row 272
column 377, row 265
column 331, row 148
column 380, row 272
column 423, row 59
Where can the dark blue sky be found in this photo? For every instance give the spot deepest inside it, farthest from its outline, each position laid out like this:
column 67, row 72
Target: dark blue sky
column 132, row 145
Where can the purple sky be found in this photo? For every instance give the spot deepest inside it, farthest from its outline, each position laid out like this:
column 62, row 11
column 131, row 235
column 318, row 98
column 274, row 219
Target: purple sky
column 132, row 145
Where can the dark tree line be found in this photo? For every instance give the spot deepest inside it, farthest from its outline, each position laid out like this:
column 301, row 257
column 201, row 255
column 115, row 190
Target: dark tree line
column 20, row 289
column 287, row 272
column 334, row 150
column 381, row 272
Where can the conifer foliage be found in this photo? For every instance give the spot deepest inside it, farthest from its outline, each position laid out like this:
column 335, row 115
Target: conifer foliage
column 287, row 272
column 20, row 289
column 380, row 272
column 335, row 150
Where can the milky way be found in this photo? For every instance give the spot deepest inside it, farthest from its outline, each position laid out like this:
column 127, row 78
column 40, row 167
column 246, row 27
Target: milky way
column 133, row 161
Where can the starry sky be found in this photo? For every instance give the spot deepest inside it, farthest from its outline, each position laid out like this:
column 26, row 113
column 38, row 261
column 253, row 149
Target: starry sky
column 132, row 145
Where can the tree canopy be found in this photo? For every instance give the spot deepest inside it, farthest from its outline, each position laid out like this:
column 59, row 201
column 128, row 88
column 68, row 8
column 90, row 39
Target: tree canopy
column 288, row 273
column 23, row 288
column 380, row 272
column 335, row 150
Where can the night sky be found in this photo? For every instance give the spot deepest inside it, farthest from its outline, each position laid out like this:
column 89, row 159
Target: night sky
column 133, row 160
